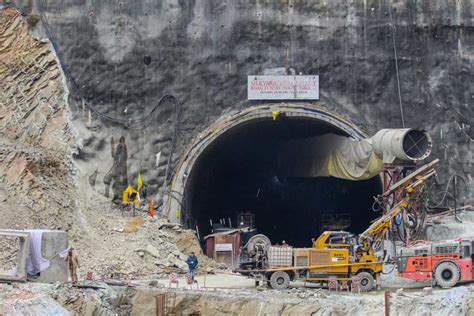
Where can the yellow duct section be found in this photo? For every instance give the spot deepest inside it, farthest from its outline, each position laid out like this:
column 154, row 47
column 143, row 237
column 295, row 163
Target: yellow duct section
column 332, row 155
column 355, row 160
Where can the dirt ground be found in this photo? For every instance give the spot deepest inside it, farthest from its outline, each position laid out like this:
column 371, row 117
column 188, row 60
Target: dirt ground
column 226, row 294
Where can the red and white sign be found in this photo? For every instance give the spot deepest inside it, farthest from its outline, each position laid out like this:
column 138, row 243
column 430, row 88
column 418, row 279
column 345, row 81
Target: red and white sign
column 283, row 87
column 174, row 277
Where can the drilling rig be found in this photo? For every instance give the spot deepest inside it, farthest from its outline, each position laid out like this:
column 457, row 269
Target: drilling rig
column 344, row 258
column 338, row 256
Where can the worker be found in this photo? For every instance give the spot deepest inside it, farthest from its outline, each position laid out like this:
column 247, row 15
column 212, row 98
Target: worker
column 73, row 264
column 192, row 264
column 283, row 243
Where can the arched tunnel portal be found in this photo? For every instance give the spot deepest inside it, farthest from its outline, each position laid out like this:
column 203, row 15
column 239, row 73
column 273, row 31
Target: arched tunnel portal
column 232, row 169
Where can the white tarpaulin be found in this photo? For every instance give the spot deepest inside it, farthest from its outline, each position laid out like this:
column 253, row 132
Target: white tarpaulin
column 35, row 263
column 329, row 155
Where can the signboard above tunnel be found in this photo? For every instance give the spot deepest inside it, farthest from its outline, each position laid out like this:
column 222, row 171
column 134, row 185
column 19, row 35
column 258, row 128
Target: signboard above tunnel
column 283, row 87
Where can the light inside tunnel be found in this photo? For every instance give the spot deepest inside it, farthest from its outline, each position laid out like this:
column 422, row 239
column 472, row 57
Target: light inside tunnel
column 237, row 173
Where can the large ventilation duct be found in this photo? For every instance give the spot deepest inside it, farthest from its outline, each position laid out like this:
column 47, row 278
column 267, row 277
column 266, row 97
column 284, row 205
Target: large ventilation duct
column 342, row 157
column 403, row 144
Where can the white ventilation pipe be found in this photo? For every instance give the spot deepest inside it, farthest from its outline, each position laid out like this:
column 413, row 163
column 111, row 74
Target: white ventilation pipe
column 403, row 144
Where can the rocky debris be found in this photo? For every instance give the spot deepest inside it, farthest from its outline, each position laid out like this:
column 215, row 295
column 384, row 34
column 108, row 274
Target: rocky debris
column 428, row 291
column 300, row 302
column 24, row 299
column 167, row 256
column 139, row 299
column 400, row 292
column 455, row 297
column 150, row 251
column 448, row 226
column 89, row 301
column 8, row 253
column 36, row 167
column 42, row 187
column 154, row 283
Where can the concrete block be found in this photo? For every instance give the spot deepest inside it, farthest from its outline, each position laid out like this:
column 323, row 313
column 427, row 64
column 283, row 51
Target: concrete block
column 22, row 254
column 52, row 243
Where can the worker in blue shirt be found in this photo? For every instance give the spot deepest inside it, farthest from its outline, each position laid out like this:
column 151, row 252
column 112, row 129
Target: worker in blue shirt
column 192, row 264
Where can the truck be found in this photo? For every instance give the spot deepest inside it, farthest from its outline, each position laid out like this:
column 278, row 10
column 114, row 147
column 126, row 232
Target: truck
column 447, row 263
column 333, row 257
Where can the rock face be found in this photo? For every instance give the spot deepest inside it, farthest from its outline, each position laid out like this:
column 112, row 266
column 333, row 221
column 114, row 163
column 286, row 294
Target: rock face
column 36, row 165
column 40, row 186
column 124, row 56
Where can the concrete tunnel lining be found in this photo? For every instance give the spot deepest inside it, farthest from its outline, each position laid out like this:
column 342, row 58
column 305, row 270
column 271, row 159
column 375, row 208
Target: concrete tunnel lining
column 179, row 205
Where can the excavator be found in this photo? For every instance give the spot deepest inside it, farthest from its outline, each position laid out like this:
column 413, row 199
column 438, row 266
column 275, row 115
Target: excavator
column 337, row 257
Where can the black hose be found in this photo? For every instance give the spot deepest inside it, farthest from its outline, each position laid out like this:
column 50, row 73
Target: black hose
column 394, row 266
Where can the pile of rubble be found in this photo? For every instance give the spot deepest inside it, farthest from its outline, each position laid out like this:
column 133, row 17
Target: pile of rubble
column 121, row 247
column 150, row 252
column 450, row 225
column 28, row 299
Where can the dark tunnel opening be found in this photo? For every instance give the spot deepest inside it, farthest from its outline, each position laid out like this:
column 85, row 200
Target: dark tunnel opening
column 237, row 173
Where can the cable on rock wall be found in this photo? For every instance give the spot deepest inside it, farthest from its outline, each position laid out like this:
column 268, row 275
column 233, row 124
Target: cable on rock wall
column 392, row 26
column 128, row 123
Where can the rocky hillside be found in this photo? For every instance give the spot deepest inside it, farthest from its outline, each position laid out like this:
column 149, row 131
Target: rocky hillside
column 36, row 166
column 42, row 187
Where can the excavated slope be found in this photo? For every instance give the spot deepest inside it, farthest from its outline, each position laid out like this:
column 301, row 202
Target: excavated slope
column 42, row 188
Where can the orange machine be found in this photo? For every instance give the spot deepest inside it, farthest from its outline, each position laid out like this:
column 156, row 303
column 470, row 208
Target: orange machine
column 447, row 263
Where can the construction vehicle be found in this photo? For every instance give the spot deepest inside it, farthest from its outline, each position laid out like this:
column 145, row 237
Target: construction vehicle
column 447, row 263
column 336, row 256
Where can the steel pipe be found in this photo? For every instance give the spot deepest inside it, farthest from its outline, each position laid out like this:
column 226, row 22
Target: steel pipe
column 403, row 144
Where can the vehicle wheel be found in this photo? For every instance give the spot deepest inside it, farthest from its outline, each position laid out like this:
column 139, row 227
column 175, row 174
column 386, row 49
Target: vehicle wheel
column 366, row 281
column 447, row 274
column 280, row 280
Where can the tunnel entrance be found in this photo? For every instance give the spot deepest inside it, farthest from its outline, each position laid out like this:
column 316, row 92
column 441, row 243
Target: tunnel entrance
column 237, row 172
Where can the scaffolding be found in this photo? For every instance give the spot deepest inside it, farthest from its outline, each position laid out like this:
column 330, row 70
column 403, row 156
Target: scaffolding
column 165, row 304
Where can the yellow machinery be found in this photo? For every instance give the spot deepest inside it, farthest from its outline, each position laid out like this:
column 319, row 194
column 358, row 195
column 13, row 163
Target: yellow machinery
column 336, row 256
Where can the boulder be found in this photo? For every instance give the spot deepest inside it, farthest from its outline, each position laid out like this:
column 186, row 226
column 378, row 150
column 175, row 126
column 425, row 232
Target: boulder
column 152, row 251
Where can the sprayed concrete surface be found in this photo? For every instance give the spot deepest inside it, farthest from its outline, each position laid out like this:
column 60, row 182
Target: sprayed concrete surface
column 125, row 55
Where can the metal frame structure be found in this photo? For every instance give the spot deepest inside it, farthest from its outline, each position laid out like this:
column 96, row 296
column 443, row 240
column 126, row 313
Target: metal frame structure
column 23, row 253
